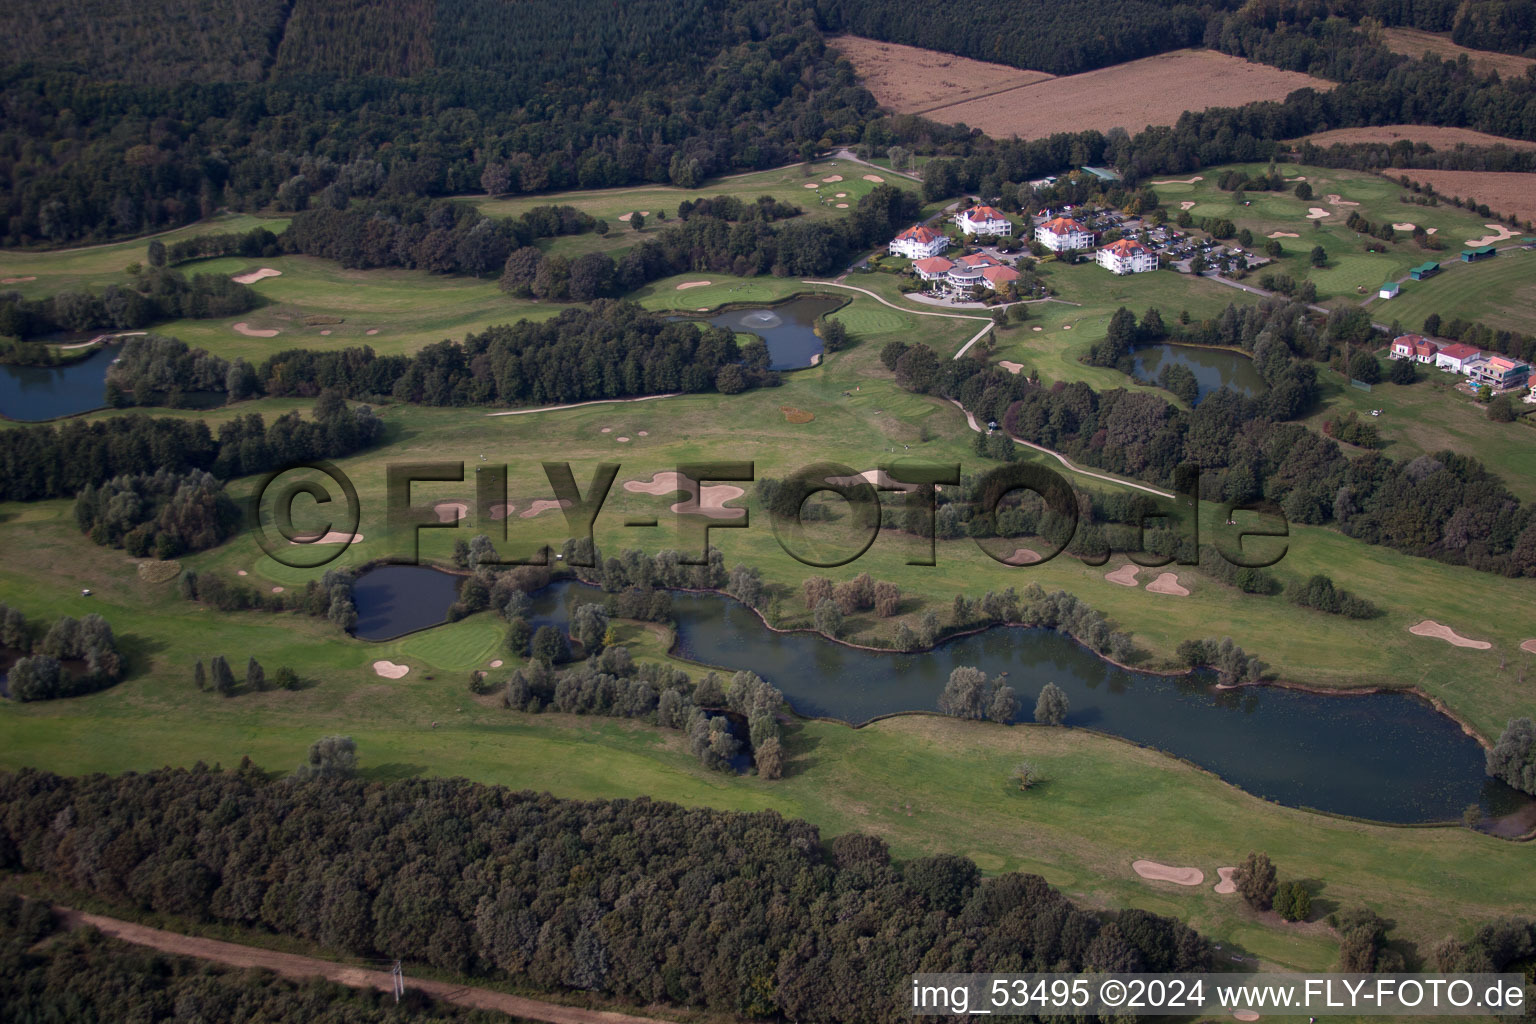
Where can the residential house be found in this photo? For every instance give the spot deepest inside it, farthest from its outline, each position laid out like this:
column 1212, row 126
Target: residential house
column 1501, row 373
column 919, row 242
column 1415, row 347
column 1126, row 257
column 984, row 220
column 933, row 268
column 1063, row 234
column 1455, row 357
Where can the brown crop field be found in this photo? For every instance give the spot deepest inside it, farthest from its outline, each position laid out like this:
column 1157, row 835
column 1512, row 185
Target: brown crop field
column 911, row 80
column 1432, row 135
column 1150, row 91
column 1505, row 192
column 1412, row 42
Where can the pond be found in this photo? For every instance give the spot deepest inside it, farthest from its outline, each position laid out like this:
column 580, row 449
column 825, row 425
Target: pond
column 393, row 600
column 1387, row 757
column 1213, row 367
column 32, row 393
column 789, row 328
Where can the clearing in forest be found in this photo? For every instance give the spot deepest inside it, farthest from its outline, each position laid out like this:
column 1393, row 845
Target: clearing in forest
column 911, row 80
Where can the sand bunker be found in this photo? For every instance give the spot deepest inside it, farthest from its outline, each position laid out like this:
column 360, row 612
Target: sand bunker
column 842, row 195
column 710, row 503
column 1500, row 232
column 1180, row 181
column 1022, row 556
column 241, row 572
column 501, row 511
column 324, row 333
column 809, row 184
column 543, row 505
column 496, row 663
column 18, row 280
column 1431, row 628
column 829, row 179
column 879, row 477
column 1249, row 1015
column 644, row 433
column 1404, row 226
column 1529, row 646
column 277, row 590
column 875, row 178
column 1299, row 177
column 1039, row 328
column 253, row 332
column 691, row 284
column 389, row 670
column 333, row 537
column 450, row 511
column 257, row 275
column 1167, row 583
column 1163, row 873
column 1187, row 204
column 371, row 331
column 606, row 430
column 1316, row 213
column 1337, row 200
column 622, row 440
column 1283, row 234
column 1011, row 367
column 842, row 206
column 1226, row 886
column 1125, row 575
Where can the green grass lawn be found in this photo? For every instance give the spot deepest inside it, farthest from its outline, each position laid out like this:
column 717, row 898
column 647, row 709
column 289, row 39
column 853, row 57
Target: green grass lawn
column 1500, row 292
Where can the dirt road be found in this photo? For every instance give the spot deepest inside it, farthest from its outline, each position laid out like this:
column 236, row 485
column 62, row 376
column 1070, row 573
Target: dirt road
column 292, row 965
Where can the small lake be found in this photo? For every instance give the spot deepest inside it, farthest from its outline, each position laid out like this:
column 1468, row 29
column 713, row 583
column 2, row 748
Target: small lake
column 1213, row 367
column 32, row 393
column 789, row 328
column 1387, row 757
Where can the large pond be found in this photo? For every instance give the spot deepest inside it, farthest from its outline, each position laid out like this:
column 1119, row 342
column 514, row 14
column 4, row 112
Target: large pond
column 32, row 393
column 393, row 600
column 1213, row 367
column 789, row 328
column 1388, row 757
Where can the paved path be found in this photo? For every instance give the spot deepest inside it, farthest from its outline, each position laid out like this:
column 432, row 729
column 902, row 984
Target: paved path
column 847, row 154
column 904, row 309
column 966, row 347
column 292, row 965
column 578, row 405
column 971, row 420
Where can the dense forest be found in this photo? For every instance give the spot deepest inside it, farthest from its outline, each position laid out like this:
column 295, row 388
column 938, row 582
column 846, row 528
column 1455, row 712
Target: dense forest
column 46, row 975
column 151, row 295
column 744, row 914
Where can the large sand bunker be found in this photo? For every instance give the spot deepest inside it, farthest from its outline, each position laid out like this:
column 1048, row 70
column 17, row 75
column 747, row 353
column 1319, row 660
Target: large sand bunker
column 1283, row 234
column 1163, row 873
column 1023, row 556
column 450, row 511
column 257, row 275
column 1187, row 204
column 1316, row 213
column 1406, row 225
column 1337, row 200
column 253, row 332
column 1226, row 886
column 502, row 509
column 711, row 502
column 829, row 179
column 1011, row 367
column 1431, row 628
column 544, row 505
column 1125, row 575
column 1529, row 646
column 333, row 537
column 1180, row 181
column 1167, row 583
column 874, row 178
column 389, row 670
column 879, row 477
column 1499, row 234
column 691, row 284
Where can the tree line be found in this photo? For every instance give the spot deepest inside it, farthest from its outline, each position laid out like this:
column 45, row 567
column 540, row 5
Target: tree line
column 152, row 294
column 74, row 656
column 747, row 914
column 46, row 461
column 164, row 513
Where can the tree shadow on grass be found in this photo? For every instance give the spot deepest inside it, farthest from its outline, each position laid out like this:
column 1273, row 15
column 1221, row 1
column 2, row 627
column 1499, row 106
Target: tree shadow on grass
column 1322, row 906
column 394, row 771
column 799, row 745
column 136, row 650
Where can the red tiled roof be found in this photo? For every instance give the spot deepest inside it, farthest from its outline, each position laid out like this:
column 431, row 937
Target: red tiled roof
column 984, row 213
column 1459, row 351
column 933, row 265
column 919, row 233
column 978, row 260
column 1408, row 339
column 1127, row 247
column 1000, row 275
column 1063, row 226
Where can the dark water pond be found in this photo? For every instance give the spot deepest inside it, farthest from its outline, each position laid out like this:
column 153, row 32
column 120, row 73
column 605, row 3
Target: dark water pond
column 1388, row 757
column 32, row 393
column 788, row 328
column 1213, row 368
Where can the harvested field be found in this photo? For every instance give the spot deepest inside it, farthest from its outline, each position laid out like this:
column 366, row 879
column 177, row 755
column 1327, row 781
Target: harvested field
column 1412, row 42
column 1507, row 192
column 909, row 79
column 1134, row 95
column 1431, row 135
